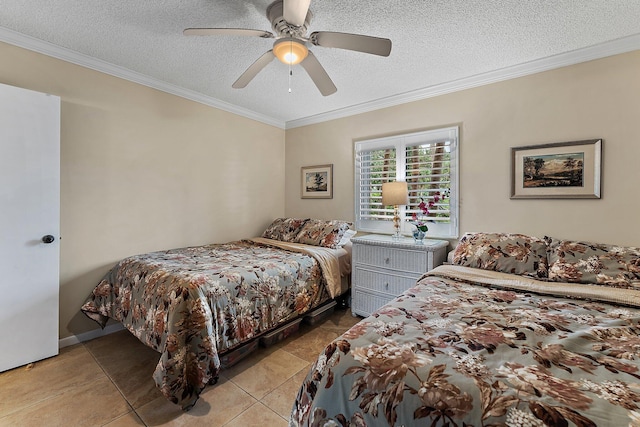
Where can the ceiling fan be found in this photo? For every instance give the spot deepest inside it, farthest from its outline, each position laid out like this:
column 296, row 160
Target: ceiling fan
column 290, row 20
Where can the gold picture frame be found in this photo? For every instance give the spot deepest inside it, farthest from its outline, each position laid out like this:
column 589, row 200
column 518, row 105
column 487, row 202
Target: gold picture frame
column 316, row 182
column 563, row 170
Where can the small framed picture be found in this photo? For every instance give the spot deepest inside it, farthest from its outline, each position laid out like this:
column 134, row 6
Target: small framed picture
column 317, row 182
column 563, row 170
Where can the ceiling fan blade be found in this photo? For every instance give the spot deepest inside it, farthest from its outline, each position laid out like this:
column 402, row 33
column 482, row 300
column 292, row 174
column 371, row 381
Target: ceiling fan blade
column 295, row 11
column 253, row 70
column 227, row 32
column 357, row 42
column 318, row 75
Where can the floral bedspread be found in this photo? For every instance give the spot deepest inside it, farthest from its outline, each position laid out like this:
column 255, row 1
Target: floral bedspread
column 192, row 304
column 455, row 352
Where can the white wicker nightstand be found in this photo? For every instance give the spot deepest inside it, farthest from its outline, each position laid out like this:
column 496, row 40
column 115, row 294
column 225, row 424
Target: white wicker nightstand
column 382, row 268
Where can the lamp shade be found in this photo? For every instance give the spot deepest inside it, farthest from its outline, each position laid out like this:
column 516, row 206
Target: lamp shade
column 290, row 51
column 395, row 193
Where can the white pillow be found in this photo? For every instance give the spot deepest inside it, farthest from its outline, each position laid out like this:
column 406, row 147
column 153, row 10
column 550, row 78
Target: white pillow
column 346, row 237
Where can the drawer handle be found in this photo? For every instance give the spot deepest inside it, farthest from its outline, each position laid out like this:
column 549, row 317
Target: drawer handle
column 387, row 261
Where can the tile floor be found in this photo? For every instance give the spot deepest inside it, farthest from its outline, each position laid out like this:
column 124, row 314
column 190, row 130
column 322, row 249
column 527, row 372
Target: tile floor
column 107, row 382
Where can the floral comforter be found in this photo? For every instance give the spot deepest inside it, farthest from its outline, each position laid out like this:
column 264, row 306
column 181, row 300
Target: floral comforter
column 468, row 347
column 192, row 304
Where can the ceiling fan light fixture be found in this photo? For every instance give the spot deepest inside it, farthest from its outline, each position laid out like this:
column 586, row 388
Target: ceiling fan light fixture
column 290, row 51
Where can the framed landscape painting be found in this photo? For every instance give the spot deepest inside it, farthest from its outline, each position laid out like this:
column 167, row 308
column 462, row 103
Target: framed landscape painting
column 317, row 182
column 563, row 170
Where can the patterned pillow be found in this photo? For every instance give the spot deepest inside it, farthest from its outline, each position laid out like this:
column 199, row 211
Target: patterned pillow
column 594, row 263
column 284, row 229
column 504, row 252
column 319, row 232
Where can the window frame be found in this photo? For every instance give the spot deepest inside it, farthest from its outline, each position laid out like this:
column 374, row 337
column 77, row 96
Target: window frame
column 400, row 142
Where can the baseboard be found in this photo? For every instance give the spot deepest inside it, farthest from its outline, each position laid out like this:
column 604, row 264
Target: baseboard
column 86, row 336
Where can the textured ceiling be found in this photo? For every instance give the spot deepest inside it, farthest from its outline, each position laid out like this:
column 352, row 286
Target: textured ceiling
column 435, row 42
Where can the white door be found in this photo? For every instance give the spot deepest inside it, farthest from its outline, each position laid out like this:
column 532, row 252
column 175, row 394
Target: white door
column 29, row 217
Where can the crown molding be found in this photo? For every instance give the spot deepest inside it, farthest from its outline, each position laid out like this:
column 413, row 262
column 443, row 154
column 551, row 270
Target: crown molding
column 602, row 50
column 614, row 47
column 68, row 55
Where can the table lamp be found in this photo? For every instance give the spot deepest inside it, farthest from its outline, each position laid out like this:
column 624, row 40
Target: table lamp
column 395, row 193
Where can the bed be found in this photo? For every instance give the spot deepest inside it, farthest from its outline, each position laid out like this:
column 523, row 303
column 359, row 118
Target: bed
column 203, row 308
column 516, row 331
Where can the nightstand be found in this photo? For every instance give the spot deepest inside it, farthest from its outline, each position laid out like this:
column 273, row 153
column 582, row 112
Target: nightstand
column 382, row 268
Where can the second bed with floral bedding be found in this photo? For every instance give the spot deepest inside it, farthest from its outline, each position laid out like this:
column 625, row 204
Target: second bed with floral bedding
column 520, row 331
column 194, row 304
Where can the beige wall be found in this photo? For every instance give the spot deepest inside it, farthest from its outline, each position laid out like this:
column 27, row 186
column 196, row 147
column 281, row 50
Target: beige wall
column 597, row 99
column 142, row 170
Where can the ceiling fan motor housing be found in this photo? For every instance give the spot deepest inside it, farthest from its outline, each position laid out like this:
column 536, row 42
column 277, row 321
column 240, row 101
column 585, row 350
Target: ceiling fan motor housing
column 275, row 14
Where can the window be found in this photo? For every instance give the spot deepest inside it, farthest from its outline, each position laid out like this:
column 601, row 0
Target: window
column 427, row 161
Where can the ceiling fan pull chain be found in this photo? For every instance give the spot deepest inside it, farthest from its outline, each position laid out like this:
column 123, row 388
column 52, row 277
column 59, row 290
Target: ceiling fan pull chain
column 290, row 74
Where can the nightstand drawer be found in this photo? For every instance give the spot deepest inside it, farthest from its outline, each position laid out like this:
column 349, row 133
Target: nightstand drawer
column 396, row 259
column 364, row 303
column 389, row 283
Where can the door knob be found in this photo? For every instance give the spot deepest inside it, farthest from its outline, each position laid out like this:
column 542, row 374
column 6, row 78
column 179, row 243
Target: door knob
column 48, row 238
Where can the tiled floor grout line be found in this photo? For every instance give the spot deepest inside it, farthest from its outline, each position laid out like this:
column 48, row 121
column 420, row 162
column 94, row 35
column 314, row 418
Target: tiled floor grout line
column 275, row 394
column 261, row 401
column 33, row 403
column 240, row 414
column 116, row 386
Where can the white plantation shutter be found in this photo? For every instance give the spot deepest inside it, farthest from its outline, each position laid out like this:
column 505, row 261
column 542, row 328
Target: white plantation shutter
column 377, row 166
column 427, row 161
